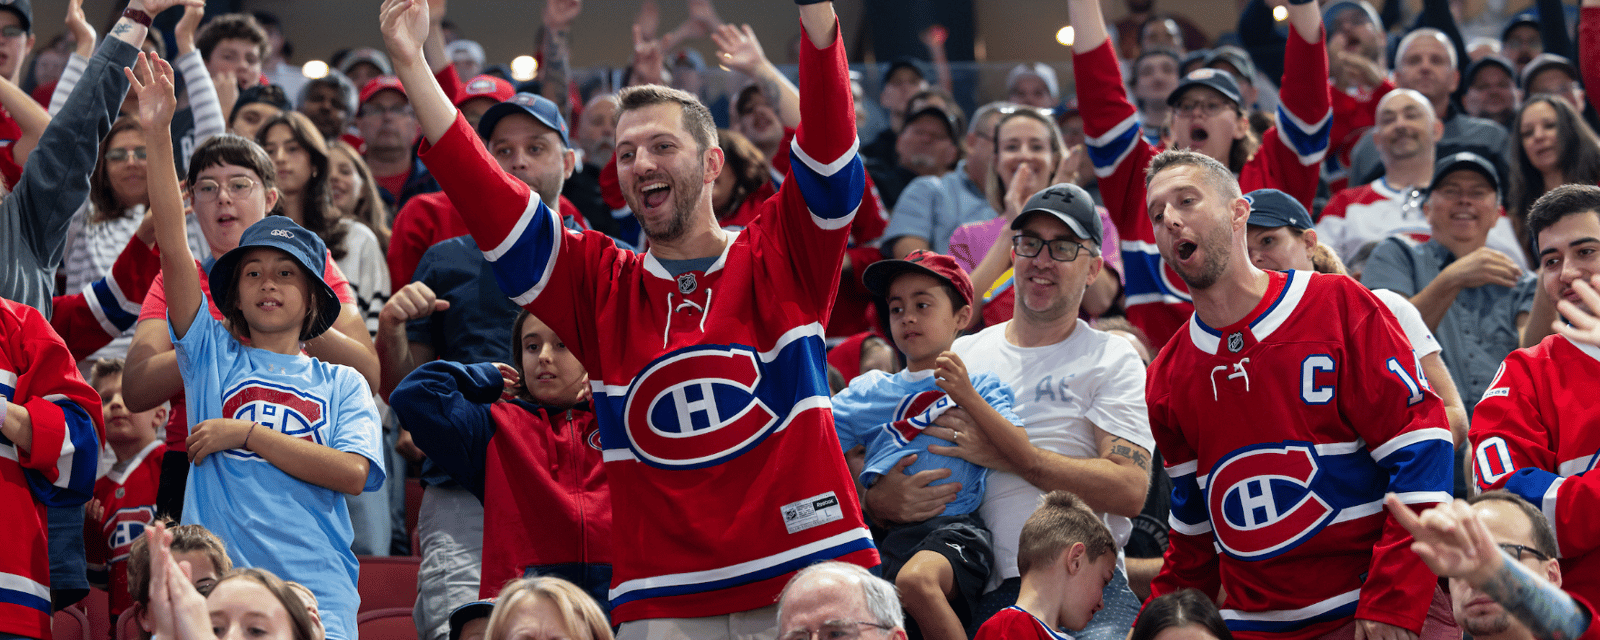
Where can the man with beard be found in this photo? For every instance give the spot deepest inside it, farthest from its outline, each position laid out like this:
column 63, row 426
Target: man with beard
column 389, row 128
column 1294, row 400
column 1491, row 91
column 932, row 207
column 1426, row 61
column 1474, row 298
column 1534, row 431
column 1499, row 554
column 328, row 101
column 1209, row 116
column 705, row 352
column 1405, row 135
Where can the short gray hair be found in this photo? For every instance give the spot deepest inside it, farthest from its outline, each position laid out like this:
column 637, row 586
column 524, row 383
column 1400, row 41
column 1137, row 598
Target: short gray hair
column 1405, row 45
column 883, row 602
column 1215, row 173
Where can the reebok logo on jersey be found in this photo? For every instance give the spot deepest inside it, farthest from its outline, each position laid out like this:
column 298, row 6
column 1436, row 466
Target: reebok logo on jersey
column 278, row 407
column 697, row 407
column 1261, row 500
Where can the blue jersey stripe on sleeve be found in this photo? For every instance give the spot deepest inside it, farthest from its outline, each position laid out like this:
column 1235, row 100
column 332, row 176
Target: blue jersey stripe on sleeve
column 1109, row 150
column 524, row 261
column 832, row 192
column 1309, row 141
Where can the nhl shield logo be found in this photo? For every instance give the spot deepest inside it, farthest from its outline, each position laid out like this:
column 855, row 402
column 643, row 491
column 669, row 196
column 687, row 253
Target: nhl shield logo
column 686, row 283
column 1235, row 342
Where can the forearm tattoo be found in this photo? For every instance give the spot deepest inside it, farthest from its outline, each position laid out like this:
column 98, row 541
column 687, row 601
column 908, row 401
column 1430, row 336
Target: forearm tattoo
column 1138, row 456
column 1548, row 612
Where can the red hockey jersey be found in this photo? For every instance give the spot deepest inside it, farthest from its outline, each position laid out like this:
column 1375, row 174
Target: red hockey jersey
column 1013, row 623
column 38, row 374
column 725, row 470
column 1282, row 433
column 1158, row 300
column 129, row 500
column 1534, row 434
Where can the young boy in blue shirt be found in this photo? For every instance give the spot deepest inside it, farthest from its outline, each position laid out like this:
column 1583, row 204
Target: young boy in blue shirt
column 941, row 564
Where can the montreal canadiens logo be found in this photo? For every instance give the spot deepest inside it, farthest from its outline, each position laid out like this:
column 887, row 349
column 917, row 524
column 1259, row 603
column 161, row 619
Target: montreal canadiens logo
column 1261, row 501
column 916, row 412
column 277, row 407
column 697, row 407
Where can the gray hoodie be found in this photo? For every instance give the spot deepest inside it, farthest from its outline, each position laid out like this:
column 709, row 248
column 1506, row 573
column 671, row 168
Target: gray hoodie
column 34, row 216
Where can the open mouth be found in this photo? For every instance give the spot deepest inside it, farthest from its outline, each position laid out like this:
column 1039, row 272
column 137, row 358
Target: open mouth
column 655, row 194
column 1199, row 135
column 1185, row 249
column 269, row 305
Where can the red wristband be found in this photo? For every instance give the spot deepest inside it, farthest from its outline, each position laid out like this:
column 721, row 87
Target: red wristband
column 137, row 16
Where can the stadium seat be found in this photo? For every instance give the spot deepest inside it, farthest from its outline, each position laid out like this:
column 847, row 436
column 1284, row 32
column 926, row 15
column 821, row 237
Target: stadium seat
column 387, row 582
column 70, row 623
column 413, row 507
column 386, row 624
column 98, row 607
column 128, row 626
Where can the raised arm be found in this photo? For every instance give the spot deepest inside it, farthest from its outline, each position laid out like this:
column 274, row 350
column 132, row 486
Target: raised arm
column 405, row 27
column 31, row 119
column 151, row 78
column 204, row 101
column 739, row 50
column 1088, row 25
column 555, row 37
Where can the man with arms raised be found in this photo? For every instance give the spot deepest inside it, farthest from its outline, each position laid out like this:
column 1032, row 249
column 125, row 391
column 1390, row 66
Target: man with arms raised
column 1285, row 408
column 705, row 352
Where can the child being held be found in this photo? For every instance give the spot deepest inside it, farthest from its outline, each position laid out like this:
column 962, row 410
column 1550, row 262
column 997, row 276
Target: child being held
column 1066, row 556
column 927, row 300
column 125, row 499
column 276, row 437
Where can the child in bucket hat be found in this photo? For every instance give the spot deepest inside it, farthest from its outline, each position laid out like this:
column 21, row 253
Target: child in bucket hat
column 275, row 436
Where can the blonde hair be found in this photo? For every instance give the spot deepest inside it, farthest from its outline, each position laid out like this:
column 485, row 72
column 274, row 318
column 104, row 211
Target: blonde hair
column 580, row 614
column 1324, row 260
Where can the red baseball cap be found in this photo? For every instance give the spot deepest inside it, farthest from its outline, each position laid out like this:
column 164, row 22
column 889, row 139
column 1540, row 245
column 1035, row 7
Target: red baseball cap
column 382, row 83
column 879, row 275
column 486, row 86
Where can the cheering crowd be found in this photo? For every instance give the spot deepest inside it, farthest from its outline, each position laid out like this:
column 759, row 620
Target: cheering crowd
column 1281, row 339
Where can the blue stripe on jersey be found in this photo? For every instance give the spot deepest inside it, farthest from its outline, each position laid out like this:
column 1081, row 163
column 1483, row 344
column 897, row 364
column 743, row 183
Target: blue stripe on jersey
column 1422, row 465
column 1188, row 509
column 1309, row 141
column 856, row 540
column 832, row 191
column 1141, row 263
column 522, row 265
column 1288, row 284
column 1289, row 621
column 1109, row 150
column 1537, row 486
column 788, row 381
column 23, row 598
column 74, row 483
column 109, row 306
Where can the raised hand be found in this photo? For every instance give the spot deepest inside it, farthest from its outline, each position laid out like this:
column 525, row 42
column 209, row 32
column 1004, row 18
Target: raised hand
column 187, row 26
column 648, row 57
column 81, row 30
column 405, row 26
column 702, row 12
column 436, row 10
column 739, row 48
column 559, row 14
column 1023, row 184
column 1585, row 325
column 151, row 80
column 934, row 37
column 511, row 377
column 153, row 7
column 176, row 609
column 649, row 19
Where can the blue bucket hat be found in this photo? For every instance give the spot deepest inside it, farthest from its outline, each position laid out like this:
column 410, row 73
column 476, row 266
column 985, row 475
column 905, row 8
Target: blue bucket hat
column 540, row 107
column 281, row 233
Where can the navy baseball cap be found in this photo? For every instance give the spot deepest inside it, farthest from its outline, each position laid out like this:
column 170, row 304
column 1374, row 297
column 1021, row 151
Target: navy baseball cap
column 1528, row 18
column 540, row 107
column 1545, row 62
column 952, row 124
column 1272, row 208
column 903, row 63
column 1469, row 161
column 1485, row 62
column 23, row 9
column 281, row 233
column 1236, row 58
column 879, row 275
column 1218, row 79
column 467, row 613
column 1070, row 204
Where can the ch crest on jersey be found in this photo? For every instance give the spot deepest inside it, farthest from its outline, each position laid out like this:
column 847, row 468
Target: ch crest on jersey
column 278, row 407
column 915, row 413
column 1262, row 502
column 697, row 407
column 125, row 526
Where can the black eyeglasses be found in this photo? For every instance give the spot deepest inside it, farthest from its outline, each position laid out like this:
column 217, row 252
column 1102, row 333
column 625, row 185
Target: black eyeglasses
column 834, row 630
column 1060, row 250
column 1516, row 550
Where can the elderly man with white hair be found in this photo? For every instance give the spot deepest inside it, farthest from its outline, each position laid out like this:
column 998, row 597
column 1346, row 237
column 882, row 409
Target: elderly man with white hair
column 839, row 601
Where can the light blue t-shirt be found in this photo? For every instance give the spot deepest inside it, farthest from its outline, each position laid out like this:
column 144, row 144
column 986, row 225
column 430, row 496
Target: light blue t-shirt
column 267, row 518
column 887, row 413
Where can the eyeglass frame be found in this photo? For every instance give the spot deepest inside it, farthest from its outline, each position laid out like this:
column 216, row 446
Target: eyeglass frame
column 1050, row 246
column 12, row 31
column 1212, row 108
column 1515, row 551
column 126, row 154
column 812, row 634
column 194, row 192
